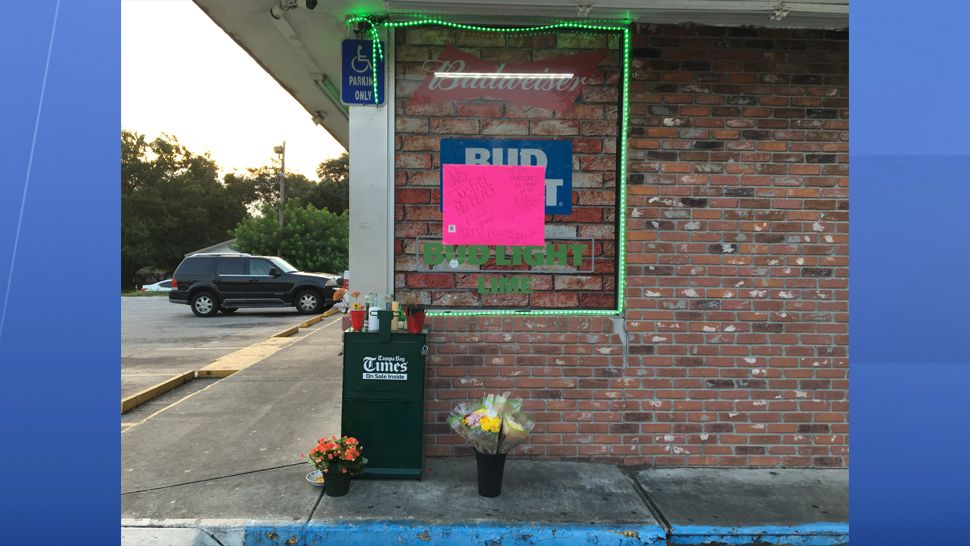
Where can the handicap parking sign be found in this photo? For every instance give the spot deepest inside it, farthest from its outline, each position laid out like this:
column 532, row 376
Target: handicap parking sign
column 357, row 75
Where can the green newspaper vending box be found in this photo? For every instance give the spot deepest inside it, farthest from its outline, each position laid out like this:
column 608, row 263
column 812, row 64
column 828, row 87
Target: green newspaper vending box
column 383, row 400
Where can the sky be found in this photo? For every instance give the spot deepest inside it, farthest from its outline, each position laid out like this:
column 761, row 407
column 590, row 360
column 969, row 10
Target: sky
column 182, row 75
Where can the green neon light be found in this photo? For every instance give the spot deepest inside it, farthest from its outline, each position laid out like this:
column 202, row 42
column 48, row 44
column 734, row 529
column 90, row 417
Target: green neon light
column 378, row 53
column 624, row 136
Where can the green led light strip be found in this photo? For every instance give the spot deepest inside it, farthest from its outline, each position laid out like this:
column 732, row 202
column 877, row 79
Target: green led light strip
column 624, row 135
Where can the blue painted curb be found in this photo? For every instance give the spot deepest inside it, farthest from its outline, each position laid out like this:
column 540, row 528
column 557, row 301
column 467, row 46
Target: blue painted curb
column 814, row 534
column 415, row 533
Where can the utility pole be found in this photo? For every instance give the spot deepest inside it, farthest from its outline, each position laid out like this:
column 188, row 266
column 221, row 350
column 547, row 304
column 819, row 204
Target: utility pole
column 281, row 151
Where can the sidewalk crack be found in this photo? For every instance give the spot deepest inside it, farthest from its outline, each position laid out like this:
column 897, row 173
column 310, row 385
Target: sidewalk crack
column 211, row 479
column 210, row 535
column 314, row 509
column 649, row 502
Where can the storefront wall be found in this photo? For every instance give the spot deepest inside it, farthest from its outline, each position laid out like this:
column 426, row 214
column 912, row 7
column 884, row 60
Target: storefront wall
column 732, row 347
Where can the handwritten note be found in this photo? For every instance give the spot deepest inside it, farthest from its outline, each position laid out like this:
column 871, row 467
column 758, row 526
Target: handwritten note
column 493, row 205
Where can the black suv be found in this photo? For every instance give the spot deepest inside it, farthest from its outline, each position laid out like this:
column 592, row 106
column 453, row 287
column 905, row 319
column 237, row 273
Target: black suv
column 212, row 282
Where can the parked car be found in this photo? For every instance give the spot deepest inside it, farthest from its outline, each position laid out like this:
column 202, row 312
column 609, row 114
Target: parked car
column 210, row 283
column 163, row 286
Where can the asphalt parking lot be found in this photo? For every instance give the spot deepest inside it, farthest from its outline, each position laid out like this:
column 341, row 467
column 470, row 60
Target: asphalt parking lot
column 160, row 339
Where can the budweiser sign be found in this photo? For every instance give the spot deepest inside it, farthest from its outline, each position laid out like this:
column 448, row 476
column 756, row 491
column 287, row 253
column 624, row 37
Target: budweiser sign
column 508, row 81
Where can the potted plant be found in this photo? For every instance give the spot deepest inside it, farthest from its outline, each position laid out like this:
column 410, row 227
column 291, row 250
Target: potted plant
column 338, row 460
column 357, row 312
column 494, row 426
column 415, row 314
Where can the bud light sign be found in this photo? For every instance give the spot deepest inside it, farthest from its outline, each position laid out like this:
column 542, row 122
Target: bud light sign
column 555, row 155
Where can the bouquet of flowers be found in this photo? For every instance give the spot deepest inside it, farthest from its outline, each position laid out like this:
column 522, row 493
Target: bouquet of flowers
column 494, row 425
column 341, row 455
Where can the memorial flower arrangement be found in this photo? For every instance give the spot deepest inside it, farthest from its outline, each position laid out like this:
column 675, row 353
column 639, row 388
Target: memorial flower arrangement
column 412, row 308
column 414, row 311
column 338, row 455
column 494, row 425
column 357, row 312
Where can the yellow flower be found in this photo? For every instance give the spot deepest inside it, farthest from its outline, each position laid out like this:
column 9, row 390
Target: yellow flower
column 509, row 422
column 491, row 424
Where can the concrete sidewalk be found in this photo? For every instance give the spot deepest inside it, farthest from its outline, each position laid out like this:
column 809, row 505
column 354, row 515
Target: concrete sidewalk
column 224, row 467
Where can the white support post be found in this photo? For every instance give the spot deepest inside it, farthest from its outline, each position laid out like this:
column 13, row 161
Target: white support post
column 372, row 193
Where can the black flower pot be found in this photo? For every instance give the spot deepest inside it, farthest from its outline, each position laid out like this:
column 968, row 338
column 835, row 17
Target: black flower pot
column 490, row 470
column 338, row 484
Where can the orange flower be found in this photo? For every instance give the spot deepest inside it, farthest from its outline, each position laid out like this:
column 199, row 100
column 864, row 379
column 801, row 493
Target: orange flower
column 341, row 454
column 350, row 455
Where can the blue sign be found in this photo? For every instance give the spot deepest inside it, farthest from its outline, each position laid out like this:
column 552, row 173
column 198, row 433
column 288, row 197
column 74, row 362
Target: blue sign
column 555, row 155
column 357, row 76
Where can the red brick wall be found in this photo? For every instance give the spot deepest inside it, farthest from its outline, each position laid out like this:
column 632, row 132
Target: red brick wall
column 591, row 125
column 733, row 348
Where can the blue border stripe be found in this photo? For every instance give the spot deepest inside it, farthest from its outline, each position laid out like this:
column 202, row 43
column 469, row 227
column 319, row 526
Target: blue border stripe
column 813, row 534
column 414, row 533
column 418, row 534
column 30, row 165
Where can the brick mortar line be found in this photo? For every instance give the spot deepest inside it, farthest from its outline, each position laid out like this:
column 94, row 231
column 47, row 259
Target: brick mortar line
column 826, row 133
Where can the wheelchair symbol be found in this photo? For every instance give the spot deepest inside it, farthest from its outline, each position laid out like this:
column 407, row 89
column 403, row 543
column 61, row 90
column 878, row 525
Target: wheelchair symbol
column 360, row 63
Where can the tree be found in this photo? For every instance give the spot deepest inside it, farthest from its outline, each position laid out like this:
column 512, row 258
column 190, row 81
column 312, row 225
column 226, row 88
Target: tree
column 312, row 239
column 333, row 196
column 261, row 186
column 171, row 203
column 335, row 170
column 333, row 192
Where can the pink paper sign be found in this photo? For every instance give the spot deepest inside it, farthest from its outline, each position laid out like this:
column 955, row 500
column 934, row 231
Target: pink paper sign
column 493, row 205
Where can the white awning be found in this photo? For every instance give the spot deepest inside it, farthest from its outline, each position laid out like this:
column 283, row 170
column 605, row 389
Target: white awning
column 300, row 47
